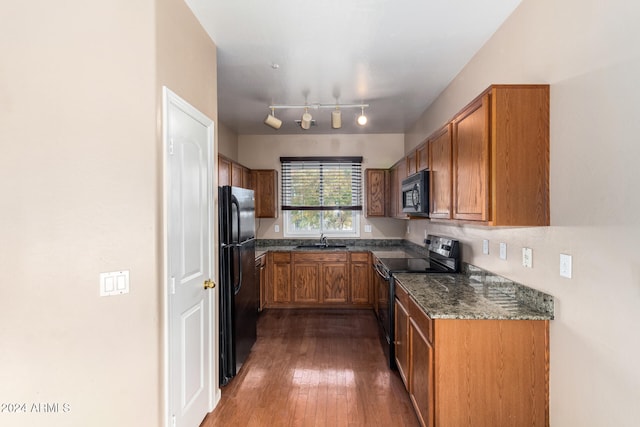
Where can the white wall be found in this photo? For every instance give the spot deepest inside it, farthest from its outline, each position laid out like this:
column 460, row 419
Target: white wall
column 378, row 151
column 587, row 51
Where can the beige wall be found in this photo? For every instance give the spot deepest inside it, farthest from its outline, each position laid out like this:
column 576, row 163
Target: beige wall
column 586, row 51
column 378, row 151
column 227, row 142
column 81, row 185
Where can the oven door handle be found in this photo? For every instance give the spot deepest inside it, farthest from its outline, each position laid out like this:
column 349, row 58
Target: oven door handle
column 381, row 273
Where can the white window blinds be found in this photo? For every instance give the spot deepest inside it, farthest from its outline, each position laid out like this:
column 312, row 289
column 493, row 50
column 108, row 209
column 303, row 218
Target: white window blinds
column 321, row 183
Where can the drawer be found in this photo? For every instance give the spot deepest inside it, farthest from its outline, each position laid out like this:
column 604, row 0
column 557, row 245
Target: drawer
column 281, row 256
column 402, row 296
column 360, row 257
column 421, row 320
column 320, row 257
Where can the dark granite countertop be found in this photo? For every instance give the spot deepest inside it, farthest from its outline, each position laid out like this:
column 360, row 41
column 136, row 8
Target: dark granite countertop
column 385, row 247
column 475, row 294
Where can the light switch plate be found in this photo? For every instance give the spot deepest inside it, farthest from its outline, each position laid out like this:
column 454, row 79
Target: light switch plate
column 114, row 283
column 527, row 257
column 485, row 247
column 276, row 228
column 367, row 228
column 503, row 250
column 565, row 265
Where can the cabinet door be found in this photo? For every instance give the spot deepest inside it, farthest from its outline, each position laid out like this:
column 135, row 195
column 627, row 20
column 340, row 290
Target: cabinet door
column 236, row 174
column 361, row 284
column 401, row 344
column 247, row 182
column 376, row 192
column 440, row 174
column 224, row 171
column 394, row 191
column 261, row 276
column 334, row 282
column 279, row 286
column 412, row 163
column 265, row 183
column 397, row 173
column 421, row 374
column 471, row 162
column 422, row 154
column 305, row 282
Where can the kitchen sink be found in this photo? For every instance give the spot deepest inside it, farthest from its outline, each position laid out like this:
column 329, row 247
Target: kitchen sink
column 321, row 246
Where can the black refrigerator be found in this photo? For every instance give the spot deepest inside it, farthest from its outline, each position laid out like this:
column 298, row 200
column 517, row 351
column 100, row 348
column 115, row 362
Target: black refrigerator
column 239, row 293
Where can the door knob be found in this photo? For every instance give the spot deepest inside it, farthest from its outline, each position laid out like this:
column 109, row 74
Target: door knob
column 209, row 284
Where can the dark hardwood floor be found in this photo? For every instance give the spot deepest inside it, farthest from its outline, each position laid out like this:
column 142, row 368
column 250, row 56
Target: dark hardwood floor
column 315, row 368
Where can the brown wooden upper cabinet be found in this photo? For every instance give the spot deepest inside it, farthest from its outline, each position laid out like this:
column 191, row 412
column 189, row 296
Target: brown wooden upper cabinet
column 237, row 175
column 439, row 145
column 500, row 157
column 412, row 163
column 224, row 171
column 232, row 173
column 397, row 173
column 265, row 186
column 422, row 156
column 264, row 183
column 376, row 192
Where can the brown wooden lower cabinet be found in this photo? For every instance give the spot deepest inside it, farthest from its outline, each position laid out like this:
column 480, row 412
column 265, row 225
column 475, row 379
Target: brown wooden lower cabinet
column 474, row 372
column 261, row 276
column 361, row 289
column 279, row 272
column 401, row 344
column 314, row 278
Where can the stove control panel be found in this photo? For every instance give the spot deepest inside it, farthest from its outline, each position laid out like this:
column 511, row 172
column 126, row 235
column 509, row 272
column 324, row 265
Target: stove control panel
column 444, row 246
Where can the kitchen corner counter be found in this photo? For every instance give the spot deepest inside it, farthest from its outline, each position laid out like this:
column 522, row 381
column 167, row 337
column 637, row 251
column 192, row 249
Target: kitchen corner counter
column 475, row 294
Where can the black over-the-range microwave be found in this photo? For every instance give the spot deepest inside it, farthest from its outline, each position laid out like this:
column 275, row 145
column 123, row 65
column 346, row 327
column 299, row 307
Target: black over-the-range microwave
column 415, row 194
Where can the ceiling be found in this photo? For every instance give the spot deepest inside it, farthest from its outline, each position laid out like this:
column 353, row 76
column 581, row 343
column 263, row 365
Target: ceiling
column 395, row 55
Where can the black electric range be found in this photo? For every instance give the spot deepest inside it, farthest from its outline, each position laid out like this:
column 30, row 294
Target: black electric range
column 444, row 257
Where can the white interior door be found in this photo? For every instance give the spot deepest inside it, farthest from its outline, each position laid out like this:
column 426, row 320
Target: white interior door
column 191, row 309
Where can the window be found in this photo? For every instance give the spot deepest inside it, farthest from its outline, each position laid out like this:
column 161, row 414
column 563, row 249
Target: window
column 321, row 195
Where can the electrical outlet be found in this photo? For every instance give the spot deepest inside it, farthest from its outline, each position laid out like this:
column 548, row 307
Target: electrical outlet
column 565, row 265
column 503, row 250
column 425, row 234
column 485, row 247
column 276, row 228
column 527, row 257
column 367, row 228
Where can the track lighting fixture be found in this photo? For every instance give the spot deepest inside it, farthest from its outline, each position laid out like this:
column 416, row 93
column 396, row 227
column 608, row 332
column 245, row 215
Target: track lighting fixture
column 307, row 121
column 336, row 118
column 272, row 121
column 362, row 119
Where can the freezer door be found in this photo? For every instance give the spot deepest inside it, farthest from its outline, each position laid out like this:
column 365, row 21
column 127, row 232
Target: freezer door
column 242, row 214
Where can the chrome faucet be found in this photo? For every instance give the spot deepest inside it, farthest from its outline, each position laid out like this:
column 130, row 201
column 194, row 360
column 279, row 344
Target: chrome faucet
column 323, row 239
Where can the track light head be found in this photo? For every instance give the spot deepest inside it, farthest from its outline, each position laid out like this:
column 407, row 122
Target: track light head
column 362, row 119
column 336, row 119
column 272, row 121
column 305, row 123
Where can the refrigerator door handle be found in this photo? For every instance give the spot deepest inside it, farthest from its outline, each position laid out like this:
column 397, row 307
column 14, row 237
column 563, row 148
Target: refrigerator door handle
column 236, row 244
column 234, row 201
column 238, row 284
